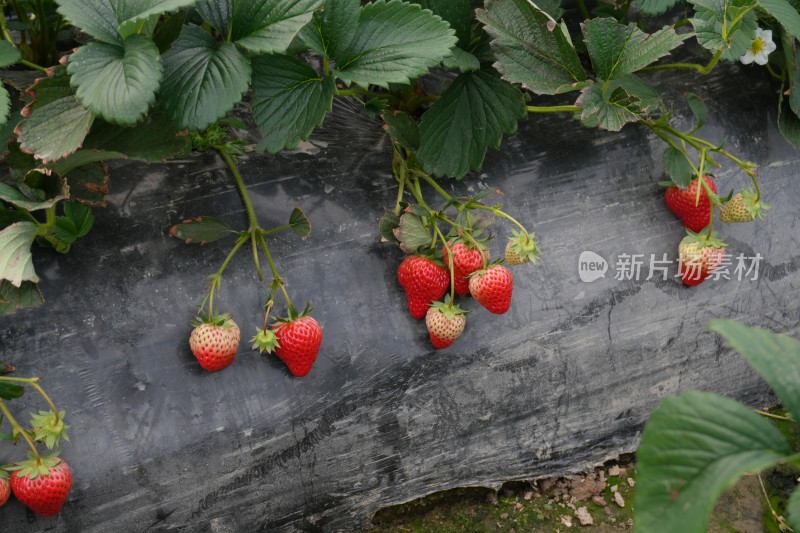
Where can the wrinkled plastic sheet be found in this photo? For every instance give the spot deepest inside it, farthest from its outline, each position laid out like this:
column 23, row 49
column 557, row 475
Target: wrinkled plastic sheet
column 563, row 381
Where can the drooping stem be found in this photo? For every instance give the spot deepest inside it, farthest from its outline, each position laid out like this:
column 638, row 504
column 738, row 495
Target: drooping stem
column 34, row 66
column 583, row 9
column 430, row 181
column 502, row 214
column 700, row 69
column 34, row 382
column 773, row 416
column 217, row 276
column 19, row 429
column 275, row 276
column 769, row 503
column 449, row 260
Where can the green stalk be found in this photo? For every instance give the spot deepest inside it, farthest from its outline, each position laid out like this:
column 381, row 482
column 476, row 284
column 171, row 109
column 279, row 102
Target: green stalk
column 217, row 276
column 450, row 261
column 248, row 205
column 20, row 430
column 430, row 181
column 275, row 276
column 701, row 69
column 34, row 382
column 584, row 10
column 774, row 416
column 502, row 214
column 553, row 109
column 32, row 65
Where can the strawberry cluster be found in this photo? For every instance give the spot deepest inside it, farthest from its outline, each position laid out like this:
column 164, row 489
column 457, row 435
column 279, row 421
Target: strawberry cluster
column 701, row 252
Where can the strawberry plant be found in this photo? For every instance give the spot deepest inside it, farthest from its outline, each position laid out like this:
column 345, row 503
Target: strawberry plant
column 698, row 443
column 42, row 483
column 446, row 79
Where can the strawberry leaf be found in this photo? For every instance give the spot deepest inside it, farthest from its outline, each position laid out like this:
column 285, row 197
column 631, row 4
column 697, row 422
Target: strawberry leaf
column 155, row 139
column 394, row 42
column 617, row 49
column 9, row 391
column 333, row 27
column 117, row 82
column 269, row 26
column 677, row 167
column 201, row 230
column 775, row 357
column 699, row 110
column 530, row 47
column 457, row 13
column 16, row 262
column 9, row 54
column 708, row 19
column 388, row 223
column 14, row 298
column 203, row 80
column 693, row 447
column 793, row 509
column 402, row 128
column 785, row 13
column 217, row 13
column 655, row 7
column 470, row 117
column 289, row 100
column 299, row 223
column 412, row 233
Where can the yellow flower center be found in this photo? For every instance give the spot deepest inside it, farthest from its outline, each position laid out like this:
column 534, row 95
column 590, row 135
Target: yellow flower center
column 758, row 46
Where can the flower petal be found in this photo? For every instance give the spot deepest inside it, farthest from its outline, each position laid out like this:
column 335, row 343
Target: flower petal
column 761, row 58
column 747, row 58
column 770, row 47
column 766, row 35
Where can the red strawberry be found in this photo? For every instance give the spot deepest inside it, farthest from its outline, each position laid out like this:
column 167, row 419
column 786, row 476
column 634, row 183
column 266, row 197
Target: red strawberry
column 700, row 255
column 214, row 341
column 445, row 323
column 424, row 281
column 683, row 202
column 466, row 260
column 43, row 487
column 492, row 288
column 298, row 342
column 5, row 489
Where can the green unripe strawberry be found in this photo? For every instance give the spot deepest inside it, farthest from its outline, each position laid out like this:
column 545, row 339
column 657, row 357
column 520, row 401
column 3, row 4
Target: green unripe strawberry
column 743, row 207
column 522, row 248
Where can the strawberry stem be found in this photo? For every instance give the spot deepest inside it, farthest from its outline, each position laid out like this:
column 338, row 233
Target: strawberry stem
column 19, row 429
column 276, row 278
column 450, row 260
column 34, row 382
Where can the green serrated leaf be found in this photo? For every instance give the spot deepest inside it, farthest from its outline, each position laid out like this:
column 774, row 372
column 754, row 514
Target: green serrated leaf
column 9, row 391
column 387, row 225
column 269, row 26
column 785, row 13
column 81, row 215
column 707, row 22
column 16, row 262
column 333, row 27
column 677, row 167
column 169, row 31
column 775, row 357
column 655, row 7
column 110, row 21
column 203, row 80
column 551, row 7
column 88, row 183
column 11, row 114
column 402, row 128
column 65, row 231
column 698, row 108
column 530, row 48
column 5, row 104
column 154, row 140
column 56, row 122
column 14, row 298
column 617, row 105
column 394, row 42
column 51, row 189
column 793, row 510
column 617, row 49
column 118, row 83
column 289, row 100
column 299, row 223
column 693, row 447
column 471, row 116
column 412, row 233
column 461, row 60
column 201, row 230
column 217, row 13
column 9, row 54
column 457, row 13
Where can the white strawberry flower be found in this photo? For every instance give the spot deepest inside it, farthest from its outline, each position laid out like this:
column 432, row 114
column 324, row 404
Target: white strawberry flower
column 760, row 48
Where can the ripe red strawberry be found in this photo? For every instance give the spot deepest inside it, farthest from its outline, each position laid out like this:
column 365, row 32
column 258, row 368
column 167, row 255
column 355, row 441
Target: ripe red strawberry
column 700, row 255
column 424, row 281
column 5, row 489
column 466, row 260
column 445, row 323
column 43, row 487
column 215, row 341
column 298, row 342
column 683, row 202
column 492, row 288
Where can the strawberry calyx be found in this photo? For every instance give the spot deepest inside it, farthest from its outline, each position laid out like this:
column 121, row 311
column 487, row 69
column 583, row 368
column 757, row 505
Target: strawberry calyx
column 265, row 341
column 223, row 320
column 523, row 247
column 34, row 466
column 294, row 315
column 704, row 240
column 49, row 428
column 449, row 309
column 751, row 202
